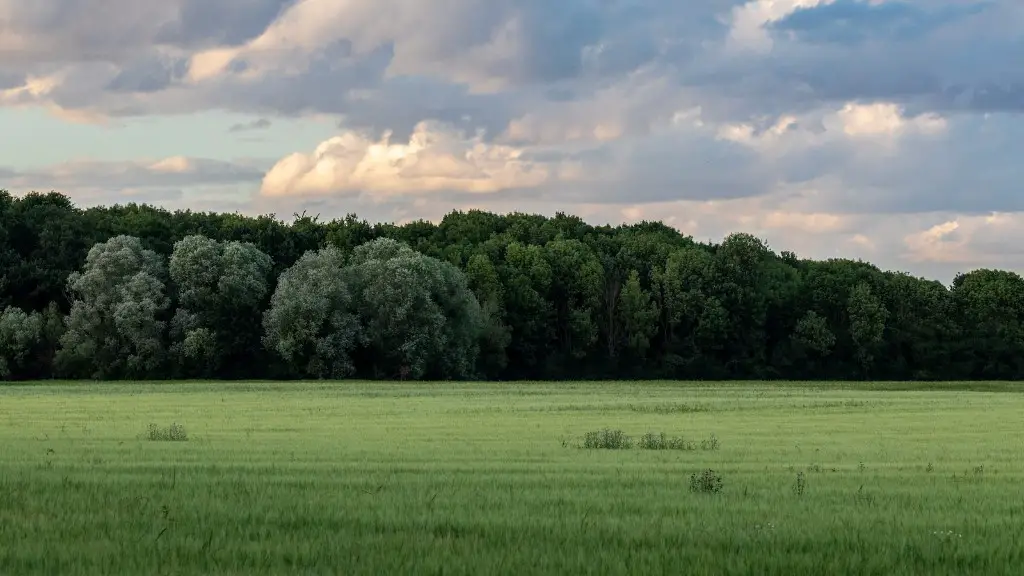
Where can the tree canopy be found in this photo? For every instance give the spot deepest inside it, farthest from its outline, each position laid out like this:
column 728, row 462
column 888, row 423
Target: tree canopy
column 135, row 291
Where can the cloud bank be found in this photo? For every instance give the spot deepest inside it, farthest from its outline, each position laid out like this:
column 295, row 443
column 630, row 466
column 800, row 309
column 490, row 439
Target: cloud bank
column 889, row 130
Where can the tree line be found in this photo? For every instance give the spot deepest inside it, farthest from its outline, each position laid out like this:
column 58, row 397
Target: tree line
column 137, row 292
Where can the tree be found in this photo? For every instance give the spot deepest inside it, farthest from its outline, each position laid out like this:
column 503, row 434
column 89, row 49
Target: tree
column 527, row 296
column 418, row 314
column 867, row 324
column 114, row 329
column 20, row 336
column 576, row 295
column 813, row 335
column 311, row 322
column 526, row 278
column 989, row 305
column 482, row 278
column 638, row 315
column 222, row 287
column 695, row 322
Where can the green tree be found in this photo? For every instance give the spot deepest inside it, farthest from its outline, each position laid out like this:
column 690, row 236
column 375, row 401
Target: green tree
column 526, row 278
column 638, row 315
column 114, row 329
column 312, row 322
column 20, row 335
column 696, row 323
column 222, row 287
column 813, row 334
column 989, row 305
column 575, row 294
column 867, row 324
column 418, row 314
column 482, row 278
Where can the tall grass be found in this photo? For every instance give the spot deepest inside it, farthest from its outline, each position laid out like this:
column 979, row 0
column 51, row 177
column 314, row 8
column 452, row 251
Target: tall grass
column 401, row 479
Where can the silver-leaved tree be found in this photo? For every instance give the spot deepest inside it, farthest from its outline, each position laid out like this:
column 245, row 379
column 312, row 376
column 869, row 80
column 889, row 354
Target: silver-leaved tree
column 114, row 330
column 311, row 322
column 417, row 312
column 400, row 313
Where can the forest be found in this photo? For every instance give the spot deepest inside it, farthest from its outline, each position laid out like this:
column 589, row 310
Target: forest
column 139, row 292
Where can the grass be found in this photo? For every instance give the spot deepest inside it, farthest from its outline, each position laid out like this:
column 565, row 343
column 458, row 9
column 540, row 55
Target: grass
column 372, row 478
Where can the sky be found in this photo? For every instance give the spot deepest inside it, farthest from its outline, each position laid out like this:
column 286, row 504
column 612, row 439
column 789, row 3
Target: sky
column 885, row 130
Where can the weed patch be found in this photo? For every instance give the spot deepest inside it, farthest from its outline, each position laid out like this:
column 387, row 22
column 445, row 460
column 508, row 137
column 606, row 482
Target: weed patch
column 707, row 482
column 710, row 443
column 669, row 408
column 652, row 441
column 173, row 433
column 607, row 440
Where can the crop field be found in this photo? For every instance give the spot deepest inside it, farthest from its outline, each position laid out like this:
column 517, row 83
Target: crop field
column 526, row 478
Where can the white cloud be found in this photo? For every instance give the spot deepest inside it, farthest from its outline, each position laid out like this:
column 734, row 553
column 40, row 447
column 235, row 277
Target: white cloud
column 434, row 159
column 886, row 119
column 995, row 239
column 748, row 20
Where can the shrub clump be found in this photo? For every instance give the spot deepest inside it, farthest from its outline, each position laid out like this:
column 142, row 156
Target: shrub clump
column 652, row 441
column 173, row 433
column 607, row 440
column 707, row 482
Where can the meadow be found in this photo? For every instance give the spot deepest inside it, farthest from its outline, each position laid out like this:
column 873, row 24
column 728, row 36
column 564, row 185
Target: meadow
column 502, row 478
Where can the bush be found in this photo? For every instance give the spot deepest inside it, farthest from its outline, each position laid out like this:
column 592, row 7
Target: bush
column 707, row 482
column 173, row 433
column 651, row 441
column 607, row 440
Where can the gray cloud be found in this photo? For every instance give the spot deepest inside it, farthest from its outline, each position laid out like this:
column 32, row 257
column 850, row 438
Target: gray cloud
column 150, row 74
column 172, row 173
column 258, row 124
column 593, row 88
column 223, row 22
column 856, row 22
column 936, row 55
column 11, row 79
column 88, row 197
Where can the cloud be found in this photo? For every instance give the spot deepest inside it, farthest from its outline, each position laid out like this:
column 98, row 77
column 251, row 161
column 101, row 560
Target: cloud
column 147, row 75
column 175, row 172
column 434, row 159
column 858, row 21
column 496, row 61
column 884, row 129
column 258, row 124
column 65, row 31
column 976, row 241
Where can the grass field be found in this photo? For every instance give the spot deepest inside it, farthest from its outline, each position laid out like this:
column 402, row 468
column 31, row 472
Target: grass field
column 371, row 478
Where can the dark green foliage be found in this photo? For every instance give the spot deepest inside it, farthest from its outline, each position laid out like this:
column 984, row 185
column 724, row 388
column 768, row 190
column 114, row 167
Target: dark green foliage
column 500, row 297
column 652, row 441
column 607, row 440
column 173, row 433
column 707, row 482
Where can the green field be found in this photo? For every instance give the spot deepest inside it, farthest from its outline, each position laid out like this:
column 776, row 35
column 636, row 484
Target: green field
column 371, row 478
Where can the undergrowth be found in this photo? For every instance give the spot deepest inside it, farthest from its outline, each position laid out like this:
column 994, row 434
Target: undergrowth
column 609, row 439
column 173, row 433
